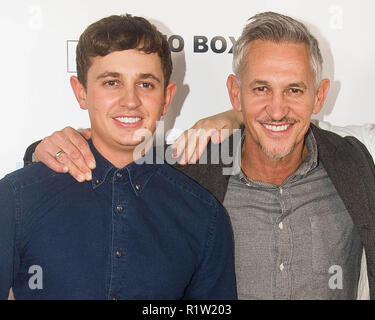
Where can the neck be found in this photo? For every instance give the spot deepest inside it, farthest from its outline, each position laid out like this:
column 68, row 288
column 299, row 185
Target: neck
column 258, row 166
column 119, row 156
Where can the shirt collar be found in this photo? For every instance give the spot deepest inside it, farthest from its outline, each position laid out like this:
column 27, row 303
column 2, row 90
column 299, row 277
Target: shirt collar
column 311, row 161
column 137, row 173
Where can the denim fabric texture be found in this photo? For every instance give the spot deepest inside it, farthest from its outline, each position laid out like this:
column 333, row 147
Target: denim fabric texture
column 141, row 232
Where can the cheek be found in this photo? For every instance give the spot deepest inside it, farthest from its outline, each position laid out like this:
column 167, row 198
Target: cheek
column 154, row 104
column 304, row 110
column 253, row 107
column 100, row 97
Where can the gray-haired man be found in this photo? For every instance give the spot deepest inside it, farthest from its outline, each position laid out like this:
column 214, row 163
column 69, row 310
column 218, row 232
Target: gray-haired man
column 302, row 207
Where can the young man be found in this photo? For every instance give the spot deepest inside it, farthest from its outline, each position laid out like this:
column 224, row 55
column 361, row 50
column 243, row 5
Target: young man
column 302, row 207
column 134, row 231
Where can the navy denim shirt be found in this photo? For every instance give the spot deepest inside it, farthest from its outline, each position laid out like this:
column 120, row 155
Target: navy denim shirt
column 140, row 232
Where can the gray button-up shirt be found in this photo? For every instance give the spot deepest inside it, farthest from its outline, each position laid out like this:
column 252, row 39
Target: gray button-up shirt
column 294, row 241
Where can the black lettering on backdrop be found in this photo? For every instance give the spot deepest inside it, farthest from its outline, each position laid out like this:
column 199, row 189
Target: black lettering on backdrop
column 176, row 39
column 218, row 44
column 200, row 44
column 223, row 44
column 233, row 40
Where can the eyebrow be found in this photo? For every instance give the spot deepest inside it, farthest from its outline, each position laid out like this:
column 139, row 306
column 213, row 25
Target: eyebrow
column 148, row 76
column 116, row 75
column 298, row 85
column 294, row 84
column 259, row 82
column 108, row 74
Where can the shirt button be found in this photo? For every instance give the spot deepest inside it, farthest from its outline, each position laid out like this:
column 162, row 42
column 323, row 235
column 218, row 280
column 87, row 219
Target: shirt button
column 138, row 187
column 119, row 208
column 281, row 267
column 281, row 190
column 118, row 254
column 119, row 175
column 97, row 181
column 281, row 226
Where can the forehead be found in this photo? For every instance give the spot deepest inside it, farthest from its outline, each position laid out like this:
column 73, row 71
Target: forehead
column 127, row 63
column 283, row 58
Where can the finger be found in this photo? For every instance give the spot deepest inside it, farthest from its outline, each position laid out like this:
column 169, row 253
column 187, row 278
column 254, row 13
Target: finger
column 76, row 148
column 216, row 137
column 203, row 137
column 61, row 141
column 190, row 145
column 51, row 162
column 202, row 142
column 221, row 135
column 196, row 143
column 48, row 158
column 179, row 144
column 73, row 170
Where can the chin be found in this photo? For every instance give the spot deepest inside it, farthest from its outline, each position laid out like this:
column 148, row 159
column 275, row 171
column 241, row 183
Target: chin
column 276, row 154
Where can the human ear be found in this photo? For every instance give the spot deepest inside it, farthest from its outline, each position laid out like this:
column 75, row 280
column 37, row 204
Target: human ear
column 79, row 91
column 321, row 95
column 169, row 93
column 234, row 92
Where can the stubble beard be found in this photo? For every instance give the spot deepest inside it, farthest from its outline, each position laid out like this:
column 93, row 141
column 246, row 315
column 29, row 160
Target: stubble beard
column 272, row 155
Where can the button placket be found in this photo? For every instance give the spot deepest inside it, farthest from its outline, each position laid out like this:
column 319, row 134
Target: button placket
column 119, row 175
column 118, row 254
column 119, row 208
column 120, row 197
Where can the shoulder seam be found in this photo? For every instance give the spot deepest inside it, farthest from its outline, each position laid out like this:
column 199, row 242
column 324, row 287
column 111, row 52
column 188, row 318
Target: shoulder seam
column 185, row 186
column 18, row 183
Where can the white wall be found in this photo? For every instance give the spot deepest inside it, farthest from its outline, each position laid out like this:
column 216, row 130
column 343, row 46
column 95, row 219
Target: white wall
column 36, row 98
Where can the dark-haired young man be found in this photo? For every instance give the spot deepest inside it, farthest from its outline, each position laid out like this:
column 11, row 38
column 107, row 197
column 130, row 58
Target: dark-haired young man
column 134, row 231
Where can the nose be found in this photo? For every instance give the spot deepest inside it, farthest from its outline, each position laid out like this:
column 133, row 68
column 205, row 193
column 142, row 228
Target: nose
column 277, row 108
column 129, row 98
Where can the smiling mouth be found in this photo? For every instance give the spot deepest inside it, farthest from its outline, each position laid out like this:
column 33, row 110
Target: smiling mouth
column 278, row 128
column 128, row 120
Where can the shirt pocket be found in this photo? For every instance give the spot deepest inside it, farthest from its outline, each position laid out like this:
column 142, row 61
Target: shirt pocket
column 334, row 238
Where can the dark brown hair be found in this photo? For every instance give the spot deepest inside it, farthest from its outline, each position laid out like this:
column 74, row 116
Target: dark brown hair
column 117, row 33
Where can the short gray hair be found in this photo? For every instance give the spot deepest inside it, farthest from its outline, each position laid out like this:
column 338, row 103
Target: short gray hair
column 271, row 26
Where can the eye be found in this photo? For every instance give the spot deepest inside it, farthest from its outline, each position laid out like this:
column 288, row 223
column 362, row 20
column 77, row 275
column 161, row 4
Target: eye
column 146, row 85
column 295, row 91
column 111, row 83
column 261, row 90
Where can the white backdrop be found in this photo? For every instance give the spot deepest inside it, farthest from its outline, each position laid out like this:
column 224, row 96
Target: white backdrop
column 37, row 58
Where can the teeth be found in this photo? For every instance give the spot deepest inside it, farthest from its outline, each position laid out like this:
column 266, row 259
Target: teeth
column 276, row 128
column 128, row 119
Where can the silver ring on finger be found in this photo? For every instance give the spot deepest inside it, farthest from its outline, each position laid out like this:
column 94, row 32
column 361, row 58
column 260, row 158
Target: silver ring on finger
column 58, row 153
